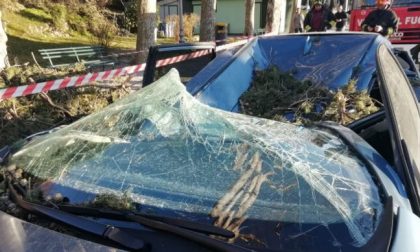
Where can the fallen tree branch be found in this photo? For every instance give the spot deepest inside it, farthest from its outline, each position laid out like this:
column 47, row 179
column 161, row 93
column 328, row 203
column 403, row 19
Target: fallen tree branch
column 12, row 111
column 48, row 99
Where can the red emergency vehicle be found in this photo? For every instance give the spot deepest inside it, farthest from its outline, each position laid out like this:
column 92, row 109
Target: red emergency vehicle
column 408, row 12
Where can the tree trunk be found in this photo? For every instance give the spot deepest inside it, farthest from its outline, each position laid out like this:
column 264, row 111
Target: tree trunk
column 207, row 20
column 273, row 16
column 249, row 17
column 292, row 13
column 146, row 24
column 3, row 47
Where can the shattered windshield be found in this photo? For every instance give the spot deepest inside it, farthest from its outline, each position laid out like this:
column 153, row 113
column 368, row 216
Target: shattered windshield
column 273, row 184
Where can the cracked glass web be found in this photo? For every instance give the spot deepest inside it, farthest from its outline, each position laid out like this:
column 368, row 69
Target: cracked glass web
column 172, row 152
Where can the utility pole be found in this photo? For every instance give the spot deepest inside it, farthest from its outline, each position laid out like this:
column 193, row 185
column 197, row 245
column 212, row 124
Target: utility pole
column 181, row 22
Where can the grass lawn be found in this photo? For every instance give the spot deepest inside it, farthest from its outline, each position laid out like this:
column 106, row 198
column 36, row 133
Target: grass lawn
column 28, row 31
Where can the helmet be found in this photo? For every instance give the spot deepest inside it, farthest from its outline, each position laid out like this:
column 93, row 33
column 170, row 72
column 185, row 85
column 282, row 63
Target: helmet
column 317, row 3
column 383, row 2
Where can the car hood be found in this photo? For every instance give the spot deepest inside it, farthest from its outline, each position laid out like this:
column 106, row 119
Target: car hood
column 23, row 236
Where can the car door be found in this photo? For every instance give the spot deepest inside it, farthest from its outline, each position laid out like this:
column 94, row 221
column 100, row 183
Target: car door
column 403, row 116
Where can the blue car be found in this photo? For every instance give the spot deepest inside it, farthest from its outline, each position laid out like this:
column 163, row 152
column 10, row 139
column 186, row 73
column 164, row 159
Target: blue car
column 190, row 173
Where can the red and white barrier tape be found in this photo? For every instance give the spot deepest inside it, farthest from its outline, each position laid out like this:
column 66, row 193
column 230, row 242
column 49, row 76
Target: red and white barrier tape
column 68, row 82
column 176, row 59
column 86, row 79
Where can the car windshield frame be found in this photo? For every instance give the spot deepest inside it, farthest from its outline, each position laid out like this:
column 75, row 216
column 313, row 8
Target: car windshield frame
column 404, row 121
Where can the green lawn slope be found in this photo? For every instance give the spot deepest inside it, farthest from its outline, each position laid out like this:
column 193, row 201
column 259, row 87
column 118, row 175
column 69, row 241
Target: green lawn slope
column 29, row 29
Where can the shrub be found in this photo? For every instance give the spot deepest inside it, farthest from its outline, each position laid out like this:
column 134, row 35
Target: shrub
column 73, row 6
column 117, row 5
column 77, row 23
column 104, row 32
column 102, row 3
column 11, row 5
column 189, row 22
column 130, row 17
column 58, row 13
column 40, row 4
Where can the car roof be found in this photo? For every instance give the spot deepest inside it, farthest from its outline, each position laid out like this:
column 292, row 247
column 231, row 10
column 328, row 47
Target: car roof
column 326, row 59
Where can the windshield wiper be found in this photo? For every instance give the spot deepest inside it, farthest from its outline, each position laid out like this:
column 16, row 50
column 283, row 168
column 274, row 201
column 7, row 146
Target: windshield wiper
column 126, row 215
column 180, row 228
column 205, row 240
column 109, row 232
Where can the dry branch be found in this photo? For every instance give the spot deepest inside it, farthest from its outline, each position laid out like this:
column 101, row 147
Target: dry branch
column 52, row 104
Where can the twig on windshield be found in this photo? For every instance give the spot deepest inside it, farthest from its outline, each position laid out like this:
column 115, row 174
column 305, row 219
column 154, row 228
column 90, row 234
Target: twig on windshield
column 241, row 156
column 247, row 201
column 245, row 191
column 237, row 187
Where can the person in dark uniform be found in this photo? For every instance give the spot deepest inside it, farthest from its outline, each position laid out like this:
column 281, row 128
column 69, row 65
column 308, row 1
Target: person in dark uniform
column 381, row 20
column 340, row 18
column 319, row 18
column 415, row 53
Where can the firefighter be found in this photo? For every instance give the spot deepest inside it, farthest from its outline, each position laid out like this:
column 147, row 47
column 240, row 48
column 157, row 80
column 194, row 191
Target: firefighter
column 415, row 53
column 319, row 18
column 382, row 20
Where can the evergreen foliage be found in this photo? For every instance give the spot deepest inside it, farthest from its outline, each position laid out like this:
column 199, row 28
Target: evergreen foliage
column 112, row 201
column 274, row 94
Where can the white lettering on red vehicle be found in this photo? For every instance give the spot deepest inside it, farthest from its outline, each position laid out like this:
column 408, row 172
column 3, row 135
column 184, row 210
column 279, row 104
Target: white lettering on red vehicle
column 412, row 20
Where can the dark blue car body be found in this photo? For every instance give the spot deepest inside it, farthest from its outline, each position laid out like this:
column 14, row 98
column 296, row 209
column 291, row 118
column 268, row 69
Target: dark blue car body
column 330, row 60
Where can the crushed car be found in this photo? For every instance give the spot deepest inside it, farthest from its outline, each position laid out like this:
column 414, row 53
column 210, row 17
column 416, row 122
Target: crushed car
column 175, row 167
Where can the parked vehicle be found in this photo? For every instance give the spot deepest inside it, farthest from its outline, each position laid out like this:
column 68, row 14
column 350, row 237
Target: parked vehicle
column 408, row 13
column 195, row 175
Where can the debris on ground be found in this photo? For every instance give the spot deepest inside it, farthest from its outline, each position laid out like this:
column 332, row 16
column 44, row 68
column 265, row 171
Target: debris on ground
column 23, row 116
column 278, row 95
column 27, row 74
